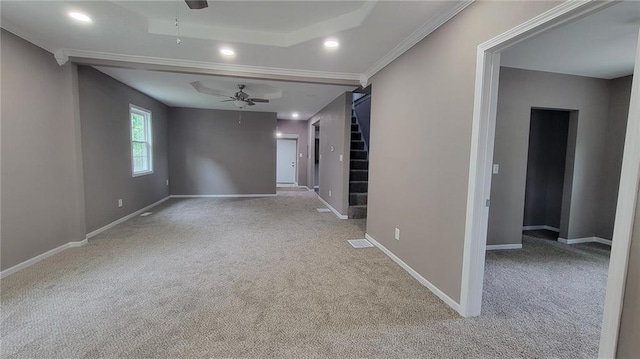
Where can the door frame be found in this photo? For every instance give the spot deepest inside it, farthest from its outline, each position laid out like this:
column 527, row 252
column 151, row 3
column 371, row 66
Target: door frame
column 289, row 136
column 480, row 169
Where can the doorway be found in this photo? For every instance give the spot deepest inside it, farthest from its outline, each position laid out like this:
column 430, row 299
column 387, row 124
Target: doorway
column 286, row 162
column 316, row 157
column 484, row 117
column 546, row 167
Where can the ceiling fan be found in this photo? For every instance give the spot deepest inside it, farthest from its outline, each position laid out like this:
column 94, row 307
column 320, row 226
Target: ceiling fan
column 196, row 4
column 241, row 99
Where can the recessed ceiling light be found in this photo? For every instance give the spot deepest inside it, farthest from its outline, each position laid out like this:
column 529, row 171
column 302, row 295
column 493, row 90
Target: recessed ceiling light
column 279, row 134
column 80, row 16
column 226, row 51
column 331, row 44
column 295, row 115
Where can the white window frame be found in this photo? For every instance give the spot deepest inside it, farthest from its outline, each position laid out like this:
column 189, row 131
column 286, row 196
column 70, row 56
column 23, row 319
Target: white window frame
column 149, row 128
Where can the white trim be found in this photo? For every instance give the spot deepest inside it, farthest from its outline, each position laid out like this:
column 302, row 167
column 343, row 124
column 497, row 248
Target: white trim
column 539, row 227
column 482, row 140
column 585, row 240
column 210, row 66
column 624, row 222
column 125, row 218
column 257, row 195
column 423, row 31
column 445, row 298
column 335, row 211
column 287, row 185
column 38, row 258
column 148, row 117
column 494, row 247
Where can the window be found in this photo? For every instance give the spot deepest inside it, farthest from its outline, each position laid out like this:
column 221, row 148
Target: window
column 141, row 146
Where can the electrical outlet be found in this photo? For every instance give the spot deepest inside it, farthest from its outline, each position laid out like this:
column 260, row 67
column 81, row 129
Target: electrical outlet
column 120, row 202
column 167, row 182
column 340, row 158
column 496, row 169
column 329, row 193
column 300, row 154
column 397, row 234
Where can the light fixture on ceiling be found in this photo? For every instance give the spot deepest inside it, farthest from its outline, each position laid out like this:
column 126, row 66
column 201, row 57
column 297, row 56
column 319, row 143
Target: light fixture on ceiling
column 331, row 44
column 80, row 17
column 240, row 103
column 295, row 115
column 279, row 134
column 227, row 51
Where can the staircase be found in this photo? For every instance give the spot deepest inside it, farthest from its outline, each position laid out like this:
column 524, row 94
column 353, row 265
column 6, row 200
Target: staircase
column 358, row 173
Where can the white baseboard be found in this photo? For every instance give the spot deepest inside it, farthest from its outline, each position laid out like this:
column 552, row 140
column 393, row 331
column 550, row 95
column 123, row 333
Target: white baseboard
column 287, row 184
column 536, row 228
column 38, row 258
column 585, row 240
column 338, row 214
column 257, row 195
column 445, row 298
column 125, row 218
column 494, row 247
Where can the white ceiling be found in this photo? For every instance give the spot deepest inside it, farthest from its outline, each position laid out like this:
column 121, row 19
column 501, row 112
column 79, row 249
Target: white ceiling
column 265, row 34
column 602, row 45
column 175, row 89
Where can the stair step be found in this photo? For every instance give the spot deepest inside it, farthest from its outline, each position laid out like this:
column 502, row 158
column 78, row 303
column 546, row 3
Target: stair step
column 359, row 164
column 359, row 155
column 355, row 127
column 358, row 175
column 357, row 212
column 358, row 187
column 358, row 199
column 356, row 136
column 353, row 119
column 357, row 145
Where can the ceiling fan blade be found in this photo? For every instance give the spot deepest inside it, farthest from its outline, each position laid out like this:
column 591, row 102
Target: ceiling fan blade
column 196, row 4
column 249, row 102
column 260, row 100
column 228, row 100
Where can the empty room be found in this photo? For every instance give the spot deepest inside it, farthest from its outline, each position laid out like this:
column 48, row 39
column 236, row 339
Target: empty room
column 561, row 119
column 319, row 179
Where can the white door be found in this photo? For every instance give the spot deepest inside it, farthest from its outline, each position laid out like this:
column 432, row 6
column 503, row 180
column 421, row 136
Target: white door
column 286, row 161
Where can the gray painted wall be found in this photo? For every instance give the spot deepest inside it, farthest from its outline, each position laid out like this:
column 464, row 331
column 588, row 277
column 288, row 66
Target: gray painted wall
column 106, row 149
column 335, row 131
column 211, row 153
column 614, row 147
column 419, row 154
column 547, row 152
column 41, row 181
column 519, row 92
column 299, row 128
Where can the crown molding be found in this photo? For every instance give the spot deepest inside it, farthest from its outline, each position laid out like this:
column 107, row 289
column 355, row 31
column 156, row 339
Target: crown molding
column 422, row 32
column 224, row 69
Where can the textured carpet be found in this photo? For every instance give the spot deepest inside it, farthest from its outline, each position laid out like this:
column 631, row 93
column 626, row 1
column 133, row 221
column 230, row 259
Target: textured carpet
column 273, row 277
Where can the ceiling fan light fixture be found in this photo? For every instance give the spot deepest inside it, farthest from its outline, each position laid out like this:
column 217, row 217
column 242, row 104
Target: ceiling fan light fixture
column 240, row 104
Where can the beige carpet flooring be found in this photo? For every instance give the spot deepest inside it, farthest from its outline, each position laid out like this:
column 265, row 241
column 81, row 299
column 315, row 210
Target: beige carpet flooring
column 274, row 278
